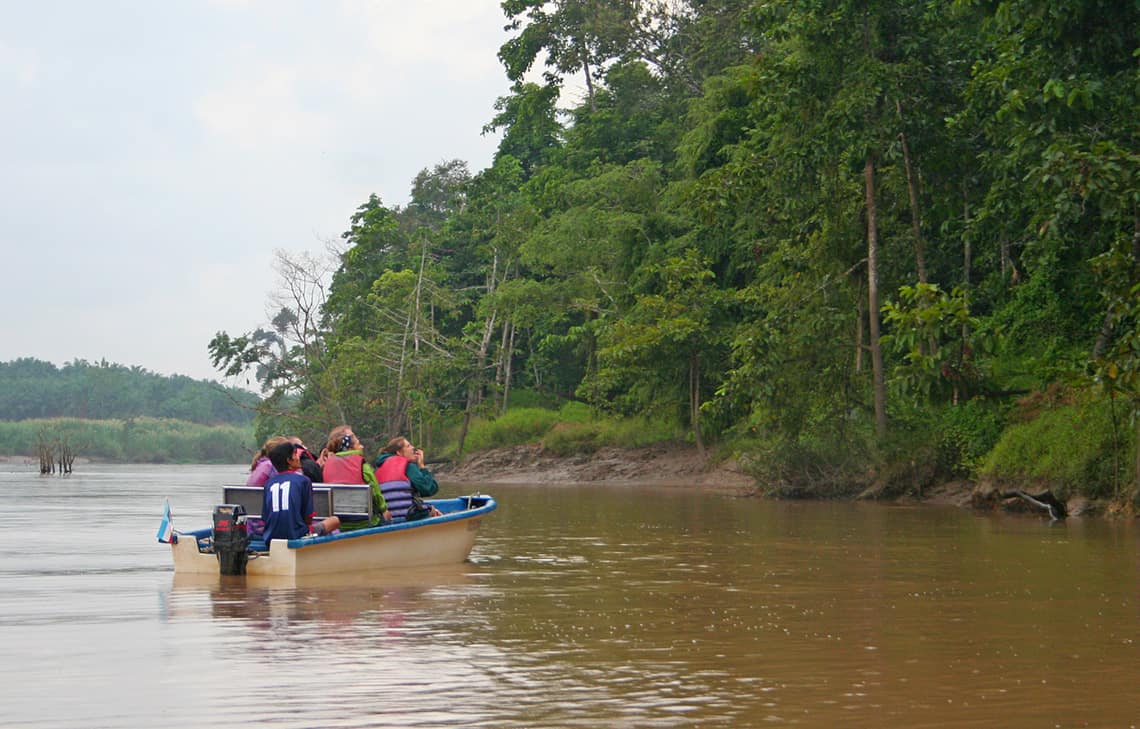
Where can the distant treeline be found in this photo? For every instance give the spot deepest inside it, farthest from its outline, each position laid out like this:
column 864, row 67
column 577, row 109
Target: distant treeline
column 136, row 440
column 31, row 388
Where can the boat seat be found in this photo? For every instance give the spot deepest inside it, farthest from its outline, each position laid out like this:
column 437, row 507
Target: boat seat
column 250, row 498
column 351, row 502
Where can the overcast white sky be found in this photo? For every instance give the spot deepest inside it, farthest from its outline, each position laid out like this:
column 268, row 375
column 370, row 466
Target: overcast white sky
column 153, row 155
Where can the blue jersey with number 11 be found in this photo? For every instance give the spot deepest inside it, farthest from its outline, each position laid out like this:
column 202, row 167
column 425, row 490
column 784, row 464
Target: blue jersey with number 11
column 287, row 506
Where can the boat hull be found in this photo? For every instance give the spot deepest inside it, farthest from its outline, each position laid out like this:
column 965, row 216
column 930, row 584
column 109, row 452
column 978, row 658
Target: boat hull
column 440, row 540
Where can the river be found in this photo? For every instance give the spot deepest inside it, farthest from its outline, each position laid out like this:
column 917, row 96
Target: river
column 581, row 606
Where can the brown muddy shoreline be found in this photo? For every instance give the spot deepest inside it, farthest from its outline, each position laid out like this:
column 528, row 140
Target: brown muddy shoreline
column 660, row 465
column 673, row 465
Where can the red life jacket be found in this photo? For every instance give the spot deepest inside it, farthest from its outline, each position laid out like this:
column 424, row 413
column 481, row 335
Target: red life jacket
column 394, row 468
column 344, row 469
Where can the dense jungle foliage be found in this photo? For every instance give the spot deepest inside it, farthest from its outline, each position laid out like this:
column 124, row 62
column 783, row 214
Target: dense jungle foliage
column 845, row 242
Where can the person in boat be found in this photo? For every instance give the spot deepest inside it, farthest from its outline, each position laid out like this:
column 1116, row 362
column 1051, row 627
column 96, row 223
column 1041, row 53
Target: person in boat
column 402, row 476
column 309, row 465
column 261, row 469
column 345, row 463
column 287, row 506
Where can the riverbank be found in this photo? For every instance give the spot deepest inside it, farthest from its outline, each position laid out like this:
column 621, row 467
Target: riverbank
column 673, row 465
column 680, row 466
column 667, row 465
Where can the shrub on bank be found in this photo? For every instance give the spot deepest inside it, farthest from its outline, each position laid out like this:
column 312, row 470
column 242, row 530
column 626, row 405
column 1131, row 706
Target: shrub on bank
column 810, row 467
column 939, row 443
column 840, row 456
column 570, row 437
column 572, row 429
column 1075, row 443
column 966, row 433
column 515, row 427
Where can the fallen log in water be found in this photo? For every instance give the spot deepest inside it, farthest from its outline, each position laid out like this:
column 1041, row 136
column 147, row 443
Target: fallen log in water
column 1045, row 501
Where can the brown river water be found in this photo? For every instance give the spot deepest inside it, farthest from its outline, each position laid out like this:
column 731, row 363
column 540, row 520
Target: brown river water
column 581, row 606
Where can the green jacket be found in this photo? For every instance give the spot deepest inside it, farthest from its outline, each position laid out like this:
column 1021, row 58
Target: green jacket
column 422, row 481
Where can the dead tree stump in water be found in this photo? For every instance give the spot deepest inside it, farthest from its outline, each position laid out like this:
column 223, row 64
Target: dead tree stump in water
column 47, row 459
column 65, row 455
column 55, row 453
column 45, row 451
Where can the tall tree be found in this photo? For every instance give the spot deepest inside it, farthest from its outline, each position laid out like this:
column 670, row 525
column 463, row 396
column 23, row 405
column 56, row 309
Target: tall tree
column 573, row 36
column 529, row 121
column 665, row 344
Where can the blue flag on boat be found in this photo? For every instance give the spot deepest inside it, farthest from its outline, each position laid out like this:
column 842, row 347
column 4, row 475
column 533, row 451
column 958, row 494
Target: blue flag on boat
column 166, row 528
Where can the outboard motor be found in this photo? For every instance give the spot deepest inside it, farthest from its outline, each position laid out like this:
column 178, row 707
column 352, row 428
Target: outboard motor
column 230, row 538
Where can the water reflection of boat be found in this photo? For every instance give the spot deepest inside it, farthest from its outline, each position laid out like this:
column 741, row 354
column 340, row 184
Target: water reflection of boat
column 381, row 598
column 383, row 579
column 440, row 540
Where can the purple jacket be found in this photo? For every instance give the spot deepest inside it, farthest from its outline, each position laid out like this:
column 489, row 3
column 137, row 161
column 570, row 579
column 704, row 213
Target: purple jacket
column 261, row 472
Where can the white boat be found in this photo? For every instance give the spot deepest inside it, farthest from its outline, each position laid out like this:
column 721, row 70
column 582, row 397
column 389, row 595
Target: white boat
column 439, row 540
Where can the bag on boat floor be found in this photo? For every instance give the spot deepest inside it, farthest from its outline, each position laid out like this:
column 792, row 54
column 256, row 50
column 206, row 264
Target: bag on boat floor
column 230, row 538
column 418, row 510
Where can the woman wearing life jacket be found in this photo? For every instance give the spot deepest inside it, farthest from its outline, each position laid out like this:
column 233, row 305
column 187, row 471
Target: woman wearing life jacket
column 345, row 464
column 402, row 476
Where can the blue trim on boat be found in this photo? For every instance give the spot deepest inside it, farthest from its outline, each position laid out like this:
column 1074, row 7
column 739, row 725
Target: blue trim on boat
column 456, row 509
column 453, row 510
